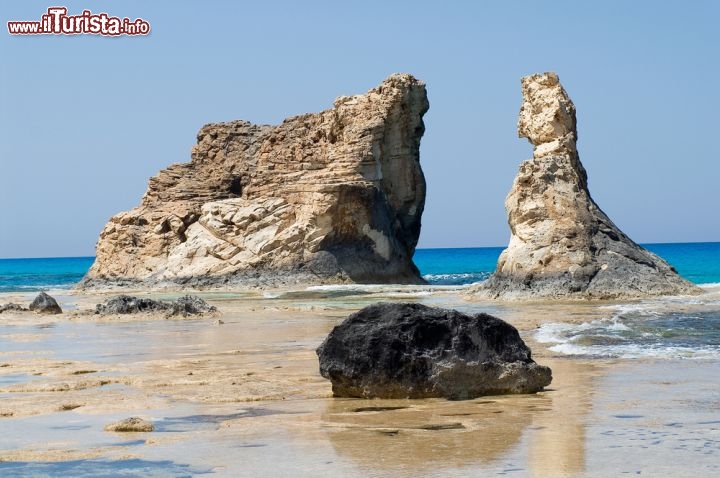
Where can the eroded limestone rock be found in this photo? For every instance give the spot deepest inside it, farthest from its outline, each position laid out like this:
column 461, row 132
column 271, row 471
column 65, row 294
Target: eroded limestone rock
column 562, row 244
column 330, row 197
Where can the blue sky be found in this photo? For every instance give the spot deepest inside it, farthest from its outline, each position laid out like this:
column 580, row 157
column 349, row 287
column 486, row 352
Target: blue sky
column 86, row 120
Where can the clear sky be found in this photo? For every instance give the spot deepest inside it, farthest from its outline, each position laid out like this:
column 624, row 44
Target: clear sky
column 85, row 120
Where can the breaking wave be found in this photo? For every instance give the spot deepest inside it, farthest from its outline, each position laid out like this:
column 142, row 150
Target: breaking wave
column 639, row 331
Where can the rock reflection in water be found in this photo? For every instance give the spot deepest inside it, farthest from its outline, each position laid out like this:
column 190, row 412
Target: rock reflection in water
column 558, row 440
column 427, row 434
column 544, row 432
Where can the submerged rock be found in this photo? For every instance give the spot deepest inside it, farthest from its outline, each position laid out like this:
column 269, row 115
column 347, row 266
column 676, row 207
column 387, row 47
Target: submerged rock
column 132, row 424
column 125, row 304
column 331, row 197
column 391, row 350
column 44, row 304
column 563, row 245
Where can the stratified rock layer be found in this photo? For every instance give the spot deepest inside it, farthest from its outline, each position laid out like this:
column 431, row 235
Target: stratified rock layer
column 391, row 350
column 330, row 197
column 562, row 244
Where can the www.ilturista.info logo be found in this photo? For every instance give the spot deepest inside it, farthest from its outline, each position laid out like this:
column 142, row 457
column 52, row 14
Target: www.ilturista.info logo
column 57, row 22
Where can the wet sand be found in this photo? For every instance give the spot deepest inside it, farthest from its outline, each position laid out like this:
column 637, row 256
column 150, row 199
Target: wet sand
column 239, row 394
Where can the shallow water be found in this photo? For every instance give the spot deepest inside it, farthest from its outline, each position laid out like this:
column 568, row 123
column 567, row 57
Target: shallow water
column 101, row 469
column 673, row 328
column 245, row 398
column 657, row 419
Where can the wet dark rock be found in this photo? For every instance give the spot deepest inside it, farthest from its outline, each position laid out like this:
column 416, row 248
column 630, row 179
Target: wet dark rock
column 125, row 304
column 12, row 308
column 390, row 350
column 443, row 426
column 190, row 305
column 377, row 409
column 44, row 304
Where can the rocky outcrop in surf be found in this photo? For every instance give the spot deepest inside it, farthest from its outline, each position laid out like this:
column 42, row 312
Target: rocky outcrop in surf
column 331, row 197
column 182, row 306
column 562, row 244
column 42, row 304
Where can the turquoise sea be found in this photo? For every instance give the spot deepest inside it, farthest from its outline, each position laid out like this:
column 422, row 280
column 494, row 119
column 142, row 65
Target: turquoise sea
column 698, row 262
column 673, row 327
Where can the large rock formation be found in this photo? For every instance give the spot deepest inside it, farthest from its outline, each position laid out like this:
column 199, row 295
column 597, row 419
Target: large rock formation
column 335, row 196
column 562, row 244
column 413, row 351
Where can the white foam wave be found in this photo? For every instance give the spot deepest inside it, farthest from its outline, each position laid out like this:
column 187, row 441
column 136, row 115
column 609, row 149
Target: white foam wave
column 623, row 309
column 461, row 278
column 637, row 351
column 561, row 332
column 616, row 325
column 384, row 289
column 346, row 287
column 462, row 275
column 20, row 288
column 420, row 293
column 571, row 339
column 554, row 333
column 663, row 305
column 710, row 285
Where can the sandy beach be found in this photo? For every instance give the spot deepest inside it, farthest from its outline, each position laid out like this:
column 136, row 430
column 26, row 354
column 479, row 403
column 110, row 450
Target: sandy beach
column 238, row 393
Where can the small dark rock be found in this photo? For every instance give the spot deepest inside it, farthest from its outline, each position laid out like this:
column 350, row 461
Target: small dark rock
column 12, row 308
column 443, row 426
column 391, row 350
column 125, row 304
column 190, row 305
column 44, row 304
column 377, row 409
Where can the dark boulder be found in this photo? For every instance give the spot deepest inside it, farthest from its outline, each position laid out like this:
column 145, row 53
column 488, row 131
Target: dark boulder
column 44, row 304
column 392, row 350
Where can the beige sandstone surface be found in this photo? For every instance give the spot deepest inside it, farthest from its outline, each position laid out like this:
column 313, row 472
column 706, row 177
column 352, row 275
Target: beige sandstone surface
column 562, row 244
column 331, row 197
